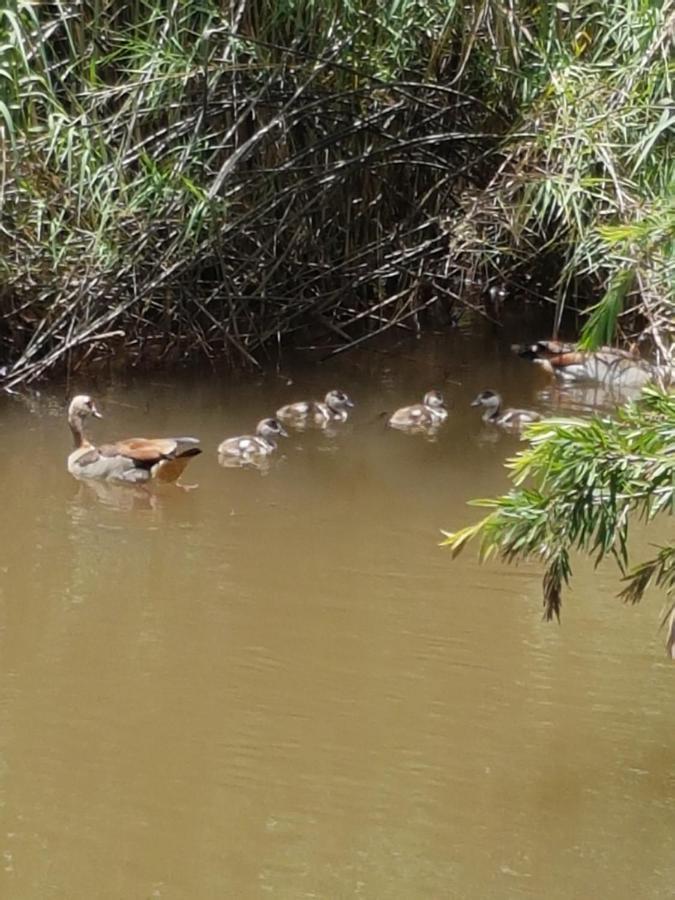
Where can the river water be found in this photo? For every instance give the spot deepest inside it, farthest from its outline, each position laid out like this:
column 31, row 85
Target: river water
column 277, row 684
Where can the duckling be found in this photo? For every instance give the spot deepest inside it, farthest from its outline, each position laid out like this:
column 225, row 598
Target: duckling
column 250, row 447
column 512, row 419
column 608, row 366
column 430, row 413
column 315, row 412
column 134, row 460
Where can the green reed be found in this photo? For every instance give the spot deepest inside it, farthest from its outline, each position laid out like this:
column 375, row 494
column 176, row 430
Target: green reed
column 193, row 177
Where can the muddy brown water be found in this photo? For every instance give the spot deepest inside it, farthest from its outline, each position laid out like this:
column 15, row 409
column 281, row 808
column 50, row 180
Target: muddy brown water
column 277, row 685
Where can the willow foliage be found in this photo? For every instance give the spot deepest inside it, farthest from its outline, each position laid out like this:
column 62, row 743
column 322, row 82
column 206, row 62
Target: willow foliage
column 578, row 486
column 588, row 172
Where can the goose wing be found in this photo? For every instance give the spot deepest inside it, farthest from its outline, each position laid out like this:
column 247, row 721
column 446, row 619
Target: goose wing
column 295, row 410
column 573, row 358
column 148, row 451
column 245, row 444
column 90, row 462
column 411, row 416
column 521, row 416
column 136, row 459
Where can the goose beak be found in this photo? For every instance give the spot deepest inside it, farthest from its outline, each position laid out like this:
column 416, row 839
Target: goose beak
column 349, row 403
column 282, row 431
column 96, row 413
column 475, row 402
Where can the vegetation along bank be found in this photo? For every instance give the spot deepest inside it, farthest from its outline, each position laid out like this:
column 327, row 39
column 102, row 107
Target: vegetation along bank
column 224, row 180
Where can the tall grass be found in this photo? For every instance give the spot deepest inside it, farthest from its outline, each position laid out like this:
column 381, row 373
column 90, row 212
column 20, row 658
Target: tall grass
column 196, row 177
column 587, row 170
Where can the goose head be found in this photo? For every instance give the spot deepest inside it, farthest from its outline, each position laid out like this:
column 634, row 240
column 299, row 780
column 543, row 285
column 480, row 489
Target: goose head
column 79, row 410
column 542, row 349
column 81, row 407
column 270, row 428
column 434, row 399
column 489, row 399
column 338, row 400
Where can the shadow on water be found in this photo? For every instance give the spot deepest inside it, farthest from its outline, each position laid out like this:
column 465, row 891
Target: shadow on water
column 279, row 684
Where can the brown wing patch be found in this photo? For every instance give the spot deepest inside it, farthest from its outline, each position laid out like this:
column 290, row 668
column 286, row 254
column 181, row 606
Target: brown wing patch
column 141, row 449
column 554, row 348
column 568, row 359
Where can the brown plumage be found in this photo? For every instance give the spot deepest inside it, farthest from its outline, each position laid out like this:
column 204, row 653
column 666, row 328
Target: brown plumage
column 608, row 366
column 133, row 460
column 542, row 349
column 559, row 350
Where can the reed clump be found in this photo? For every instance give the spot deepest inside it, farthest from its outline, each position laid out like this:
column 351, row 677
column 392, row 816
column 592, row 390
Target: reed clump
column 187, row 178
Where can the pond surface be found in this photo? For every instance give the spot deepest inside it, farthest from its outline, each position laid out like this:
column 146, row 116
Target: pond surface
column 278, row 685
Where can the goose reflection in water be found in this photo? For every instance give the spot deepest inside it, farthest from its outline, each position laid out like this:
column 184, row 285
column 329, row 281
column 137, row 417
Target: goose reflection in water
column 586, row 399
column 262, row 464
column 120, row 497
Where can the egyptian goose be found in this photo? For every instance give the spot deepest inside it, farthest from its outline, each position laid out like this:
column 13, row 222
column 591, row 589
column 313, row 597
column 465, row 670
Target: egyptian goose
column 607, row 366
column 315, row 412
column 249, row 447
column 512, row 419
column 430, row 413
column 134, row 460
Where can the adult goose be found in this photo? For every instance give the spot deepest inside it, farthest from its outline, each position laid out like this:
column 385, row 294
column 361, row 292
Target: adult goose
column 134, row 460
column 607, row 366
